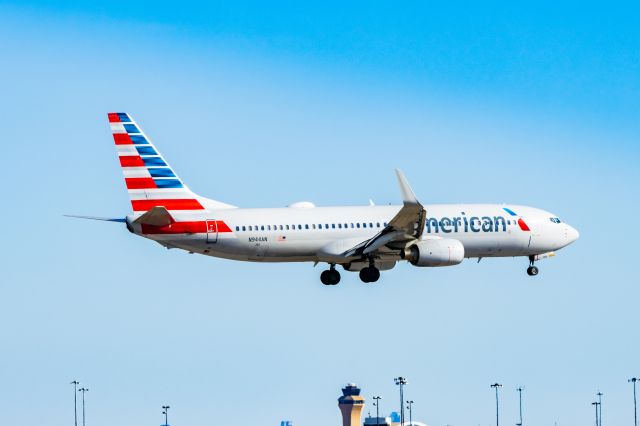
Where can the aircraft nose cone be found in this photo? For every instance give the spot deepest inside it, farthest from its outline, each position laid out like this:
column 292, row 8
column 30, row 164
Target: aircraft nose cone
column 572, row 234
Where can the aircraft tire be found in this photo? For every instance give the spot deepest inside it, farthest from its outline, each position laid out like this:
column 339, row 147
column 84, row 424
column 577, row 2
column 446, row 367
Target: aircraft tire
column 374, row 274
column 330, row 277
column 335, row 276
column 532, row 271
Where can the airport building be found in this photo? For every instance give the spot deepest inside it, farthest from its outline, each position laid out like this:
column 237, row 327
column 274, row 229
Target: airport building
column 351, row 404
column 377, row 421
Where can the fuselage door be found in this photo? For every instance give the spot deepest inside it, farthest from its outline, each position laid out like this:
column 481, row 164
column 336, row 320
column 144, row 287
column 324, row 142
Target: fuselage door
column 212, row 231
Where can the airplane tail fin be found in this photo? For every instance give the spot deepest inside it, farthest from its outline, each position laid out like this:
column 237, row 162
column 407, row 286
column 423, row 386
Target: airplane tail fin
column 150, row 181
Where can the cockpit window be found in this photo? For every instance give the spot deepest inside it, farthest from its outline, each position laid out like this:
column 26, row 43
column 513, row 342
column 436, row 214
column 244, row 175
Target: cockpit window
column 555, row 220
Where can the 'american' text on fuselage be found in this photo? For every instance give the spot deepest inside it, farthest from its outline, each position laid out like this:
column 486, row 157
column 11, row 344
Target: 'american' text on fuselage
column 464, row 224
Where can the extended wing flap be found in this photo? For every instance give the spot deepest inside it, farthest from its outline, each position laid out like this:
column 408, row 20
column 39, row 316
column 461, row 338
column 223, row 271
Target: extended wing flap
column 406, row 225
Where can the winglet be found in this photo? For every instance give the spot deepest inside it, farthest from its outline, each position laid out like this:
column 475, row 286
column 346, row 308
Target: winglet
column 408, row 197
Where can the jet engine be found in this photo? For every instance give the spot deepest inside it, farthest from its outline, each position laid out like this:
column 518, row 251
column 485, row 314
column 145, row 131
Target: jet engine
column 435, row 252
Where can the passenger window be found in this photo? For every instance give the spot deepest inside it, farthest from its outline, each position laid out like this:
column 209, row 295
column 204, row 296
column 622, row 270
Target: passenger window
column 345, row 225
column 352, row 224
column 250, row 228
column 299, row 226
column 358, row 225
column 281, row 227
column 385, row 224
column 237, row 228
column 340, row 225
column 262, row 228
column 244, row 228
column 333, row 226
column 378, row 224
column 364, row 224
column 306, row 226
column 326, row 226
column 370, row 225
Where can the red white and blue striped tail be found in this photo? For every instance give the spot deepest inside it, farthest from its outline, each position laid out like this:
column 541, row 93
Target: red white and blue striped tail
column 150, row 180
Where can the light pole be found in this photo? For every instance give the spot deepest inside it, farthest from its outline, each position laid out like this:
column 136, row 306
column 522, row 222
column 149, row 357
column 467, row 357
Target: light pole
column 401, row 381
column 520, row 389
column 599, row 394
column 496, row 386
column 596, row 405
column 377, row 405
column 165, row 411
column 635, row 411
column 83, row 390
column 410, row 407
column 75, row 384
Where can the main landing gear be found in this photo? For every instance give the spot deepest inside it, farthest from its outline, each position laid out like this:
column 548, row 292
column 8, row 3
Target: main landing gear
column 330, row 276
column 370, row 274
column 532, row 270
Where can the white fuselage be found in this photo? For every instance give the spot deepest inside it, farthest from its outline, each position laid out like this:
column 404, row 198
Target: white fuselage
column 317, row 234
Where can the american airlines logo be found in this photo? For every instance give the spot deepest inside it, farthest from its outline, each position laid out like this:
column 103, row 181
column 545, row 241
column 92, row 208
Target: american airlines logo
column 471, row 224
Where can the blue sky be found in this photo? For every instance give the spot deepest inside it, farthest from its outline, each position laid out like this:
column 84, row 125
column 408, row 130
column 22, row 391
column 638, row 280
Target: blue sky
column 266, row 105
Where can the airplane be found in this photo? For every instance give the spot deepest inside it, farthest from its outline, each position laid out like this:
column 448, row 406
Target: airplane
column 364, row 239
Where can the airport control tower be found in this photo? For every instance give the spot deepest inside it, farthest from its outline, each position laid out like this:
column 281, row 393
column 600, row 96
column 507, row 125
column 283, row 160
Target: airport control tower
column 351, row 404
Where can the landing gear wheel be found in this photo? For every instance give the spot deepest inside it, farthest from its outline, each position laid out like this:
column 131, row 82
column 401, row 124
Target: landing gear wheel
column 370, row 274
column 532, row 271
column 330, row 277
column 374, row 274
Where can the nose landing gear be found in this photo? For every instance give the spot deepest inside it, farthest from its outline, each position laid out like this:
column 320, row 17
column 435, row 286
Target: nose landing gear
column 532, row 270
column 330, row 276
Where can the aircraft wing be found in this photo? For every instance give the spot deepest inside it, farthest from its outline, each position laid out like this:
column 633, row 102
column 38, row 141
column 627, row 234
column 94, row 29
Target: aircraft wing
column 406, row 225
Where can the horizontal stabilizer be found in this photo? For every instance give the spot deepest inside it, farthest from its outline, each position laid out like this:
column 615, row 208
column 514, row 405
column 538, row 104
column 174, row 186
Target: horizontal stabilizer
column 157, row 216
column 105, row 219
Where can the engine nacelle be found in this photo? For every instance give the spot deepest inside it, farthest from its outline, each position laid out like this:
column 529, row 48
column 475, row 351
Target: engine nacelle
column 435, row 252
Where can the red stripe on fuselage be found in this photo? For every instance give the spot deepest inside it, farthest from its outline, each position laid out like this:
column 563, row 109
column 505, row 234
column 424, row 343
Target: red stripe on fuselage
column 222, row 227
column 131, row 161
column 197, row 227
column 140, row 183
column 523, row 225
column 113, row 117
column 176, row 228
column 169, row 204
column 122, row 139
